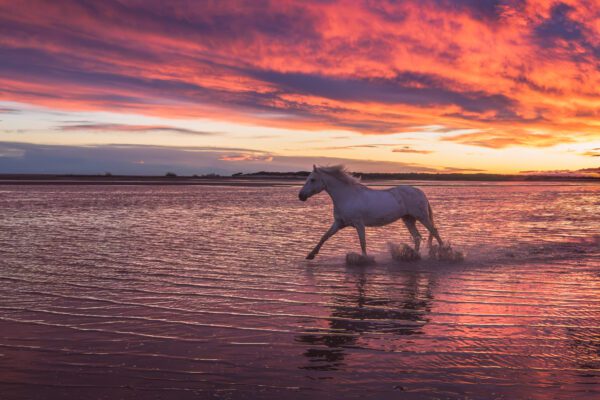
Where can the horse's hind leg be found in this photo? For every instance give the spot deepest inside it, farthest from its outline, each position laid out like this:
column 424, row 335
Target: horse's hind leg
column 411, row 225
column 433, row 232
column 360, row 229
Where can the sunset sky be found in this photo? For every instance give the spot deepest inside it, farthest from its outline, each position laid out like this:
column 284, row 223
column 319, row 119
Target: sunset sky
column 146, row 87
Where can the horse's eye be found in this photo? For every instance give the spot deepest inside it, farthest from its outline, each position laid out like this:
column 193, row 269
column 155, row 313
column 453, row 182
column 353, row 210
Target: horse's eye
column 313, row 179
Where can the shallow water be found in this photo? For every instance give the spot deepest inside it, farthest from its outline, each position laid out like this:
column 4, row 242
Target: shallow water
column 203, row 292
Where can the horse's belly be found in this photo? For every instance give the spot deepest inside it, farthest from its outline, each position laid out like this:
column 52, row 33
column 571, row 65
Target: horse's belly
column 383, row 212
column 380, row 219
column 370, row 208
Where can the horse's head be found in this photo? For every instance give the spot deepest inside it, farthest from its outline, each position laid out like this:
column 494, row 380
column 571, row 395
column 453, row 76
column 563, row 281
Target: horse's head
column 314, row 184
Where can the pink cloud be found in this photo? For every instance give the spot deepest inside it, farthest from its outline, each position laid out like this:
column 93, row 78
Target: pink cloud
column 373, row 68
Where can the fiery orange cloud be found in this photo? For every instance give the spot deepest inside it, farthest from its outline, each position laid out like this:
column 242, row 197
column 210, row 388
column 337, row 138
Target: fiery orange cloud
column 520, row 73
column 592, row 153
column 511, row 137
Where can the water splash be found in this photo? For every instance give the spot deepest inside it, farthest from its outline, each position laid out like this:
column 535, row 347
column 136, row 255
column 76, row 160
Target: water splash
column 359, row 259
column 403, row 253
column 446, row 253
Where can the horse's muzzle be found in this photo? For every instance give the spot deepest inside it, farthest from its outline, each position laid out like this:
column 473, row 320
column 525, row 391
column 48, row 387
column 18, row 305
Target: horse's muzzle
column 302, row 197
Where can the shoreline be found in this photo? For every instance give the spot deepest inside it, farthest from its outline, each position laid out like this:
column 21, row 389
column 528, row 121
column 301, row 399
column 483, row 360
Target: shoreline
column 275, row 180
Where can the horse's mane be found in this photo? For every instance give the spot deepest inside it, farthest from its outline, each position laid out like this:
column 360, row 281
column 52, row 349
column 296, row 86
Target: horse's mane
column 340, row 173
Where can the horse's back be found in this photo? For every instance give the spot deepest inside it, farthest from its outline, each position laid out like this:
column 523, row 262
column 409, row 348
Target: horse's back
column 371, row 207
column 411, row 198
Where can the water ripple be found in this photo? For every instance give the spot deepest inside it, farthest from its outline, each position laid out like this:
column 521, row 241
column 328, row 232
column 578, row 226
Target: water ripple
column 203, row 292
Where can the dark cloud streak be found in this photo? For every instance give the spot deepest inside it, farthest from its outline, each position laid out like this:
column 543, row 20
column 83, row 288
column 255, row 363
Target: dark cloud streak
column 133, row 129
column 157, row 160
column 401, row 89
column 408, row 149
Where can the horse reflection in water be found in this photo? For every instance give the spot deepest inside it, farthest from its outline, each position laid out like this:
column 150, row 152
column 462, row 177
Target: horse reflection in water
column 359, row 206
column 355, row 315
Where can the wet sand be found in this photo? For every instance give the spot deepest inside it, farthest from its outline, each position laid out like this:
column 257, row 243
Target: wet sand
column 203, row 292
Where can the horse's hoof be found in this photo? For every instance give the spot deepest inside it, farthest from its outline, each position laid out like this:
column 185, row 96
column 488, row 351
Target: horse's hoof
column 310, row 256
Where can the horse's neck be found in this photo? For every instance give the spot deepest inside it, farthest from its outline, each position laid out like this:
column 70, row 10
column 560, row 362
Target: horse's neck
column 338, row 190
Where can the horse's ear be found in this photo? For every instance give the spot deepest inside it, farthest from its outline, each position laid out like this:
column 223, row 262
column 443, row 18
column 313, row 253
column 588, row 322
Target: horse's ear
column 314, row 168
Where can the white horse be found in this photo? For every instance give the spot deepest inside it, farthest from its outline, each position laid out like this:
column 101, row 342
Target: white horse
column 359, row 206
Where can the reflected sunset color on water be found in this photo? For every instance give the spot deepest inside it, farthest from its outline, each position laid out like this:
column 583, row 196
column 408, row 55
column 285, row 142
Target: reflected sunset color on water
column 203, row 292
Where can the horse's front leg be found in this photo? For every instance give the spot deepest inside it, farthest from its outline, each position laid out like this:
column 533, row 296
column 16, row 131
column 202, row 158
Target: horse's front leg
column 336, row 226
column 360, row 229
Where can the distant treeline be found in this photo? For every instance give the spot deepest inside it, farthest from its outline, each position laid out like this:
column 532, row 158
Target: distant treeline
column 422, row 176
column 171, row 177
